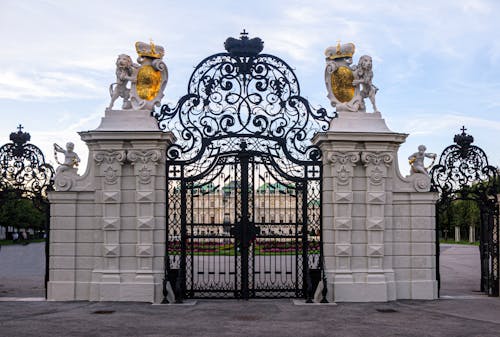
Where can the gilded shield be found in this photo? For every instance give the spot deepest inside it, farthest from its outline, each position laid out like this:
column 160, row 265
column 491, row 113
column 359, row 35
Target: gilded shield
column 342, row 87
column 148, row 82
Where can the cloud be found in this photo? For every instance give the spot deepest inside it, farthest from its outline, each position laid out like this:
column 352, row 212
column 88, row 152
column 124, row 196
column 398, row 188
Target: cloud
column 46, row 85
column 427, row 124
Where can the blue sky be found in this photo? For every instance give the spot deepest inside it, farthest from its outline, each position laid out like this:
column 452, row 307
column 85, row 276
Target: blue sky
column 436, row 63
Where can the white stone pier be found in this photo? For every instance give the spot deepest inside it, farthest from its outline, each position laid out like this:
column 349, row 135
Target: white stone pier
column 378, row 227
column 108, row 226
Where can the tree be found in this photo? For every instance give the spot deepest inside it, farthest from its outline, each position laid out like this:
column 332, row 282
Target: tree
column 19, row 212
column 461, row 213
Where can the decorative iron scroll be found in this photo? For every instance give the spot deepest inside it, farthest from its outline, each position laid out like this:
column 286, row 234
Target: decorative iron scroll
column 25, row 174
column 462, row 165
column 242, row 93
column 463, row 173
column 23, row 168
column 243, row 139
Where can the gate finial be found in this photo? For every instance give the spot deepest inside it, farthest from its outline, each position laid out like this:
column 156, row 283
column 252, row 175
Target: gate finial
column 244, row 46
column 464, row 141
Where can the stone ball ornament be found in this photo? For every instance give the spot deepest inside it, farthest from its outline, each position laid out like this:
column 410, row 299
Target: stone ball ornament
column 148, row 78
column 348, row 85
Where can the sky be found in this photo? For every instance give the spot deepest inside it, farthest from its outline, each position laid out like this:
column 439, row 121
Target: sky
column 436, row 63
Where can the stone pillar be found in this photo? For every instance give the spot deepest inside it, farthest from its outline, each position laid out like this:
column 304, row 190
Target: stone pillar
column 108, row 226
column 368, row 251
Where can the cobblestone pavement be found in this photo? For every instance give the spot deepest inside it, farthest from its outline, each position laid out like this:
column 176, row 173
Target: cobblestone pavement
column 462, row 311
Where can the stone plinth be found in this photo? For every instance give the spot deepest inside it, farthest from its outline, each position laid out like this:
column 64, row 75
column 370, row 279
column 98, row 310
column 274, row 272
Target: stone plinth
column 108, row 226
column 378, row 227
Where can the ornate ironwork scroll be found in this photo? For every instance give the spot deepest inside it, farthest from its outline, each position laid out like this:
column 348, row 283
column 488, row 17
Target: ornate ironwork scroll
column 24, row 174
column 463, row 173
column 23, row 168
column 243, row 138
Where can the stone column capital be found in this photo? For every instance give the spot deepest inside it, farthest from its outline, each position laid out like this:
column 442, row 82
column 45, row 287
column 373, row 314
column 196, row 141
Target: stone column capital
column 343, row 157
column 109, row 156
column 377, row 158
column 144, row 156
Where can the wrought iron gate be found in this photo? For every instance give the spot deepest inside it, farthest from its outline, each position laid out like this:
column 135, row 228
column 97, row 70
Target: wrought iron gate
column 24, row 174
column 463, row 173
column 243, row 180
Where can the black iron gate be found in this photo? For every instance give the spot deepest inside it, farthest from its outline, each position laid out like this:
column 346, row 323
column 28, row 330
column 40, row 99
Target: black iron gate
column 463, row 173
column 243, row 180
column 24, row 175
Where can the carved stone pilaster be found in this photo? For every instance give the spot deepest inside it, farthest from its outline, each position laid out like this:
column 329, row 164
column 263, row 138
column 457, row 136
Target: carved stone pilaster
column 376, row 164
column 109, row 163
column 342, row 171
column 342, row 164
column 145, row 164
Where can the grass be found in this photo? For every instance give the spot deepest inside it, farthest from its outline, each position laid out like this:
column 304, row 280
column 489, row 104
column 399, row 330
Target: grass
column 462, row 242
column 10, row 242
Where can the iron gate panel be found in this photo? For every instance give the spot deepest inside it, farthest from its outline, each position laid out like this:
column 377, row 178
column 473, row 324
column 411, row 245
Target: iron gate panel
column 463, row 173
column 243, row 180
column 24, row 174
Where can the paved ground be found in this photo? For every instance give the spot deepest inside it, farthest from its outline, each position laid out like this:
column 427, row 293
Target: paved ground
column 460, row 270
column 22, row 270
column 463, row 312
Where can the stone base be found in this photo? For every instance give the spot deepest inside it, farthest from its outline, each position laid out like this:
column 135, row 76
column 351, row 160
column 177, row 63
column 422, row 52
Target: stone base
column 358, row 122
column 61, row 291
column 360, row 292
column 417, row 290
column 127, row 120
column 131, row 292
column 379, row 288
column 110, row 287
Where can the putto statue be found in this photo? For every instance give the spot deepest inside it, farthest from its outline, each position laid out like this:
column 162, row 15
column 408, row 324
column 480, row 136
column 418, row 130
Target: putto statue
column 71, row 159
column 348, row 85
column 148, row 78
column 416, row 160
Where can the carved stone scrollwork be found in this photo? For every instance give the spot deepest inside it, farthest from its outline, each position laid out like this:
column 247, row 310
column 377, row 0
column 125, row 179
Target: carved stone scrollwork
column 376, row 175
column 144, row 175
column 146, row 159
column 153, row 156
column 376, row 164
column 421, row 182
column 344, row 162
column 112, row 159
column 109, row 157
column 344, row 157
column 110, row 175
column 377, row 158
column 64, row 181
